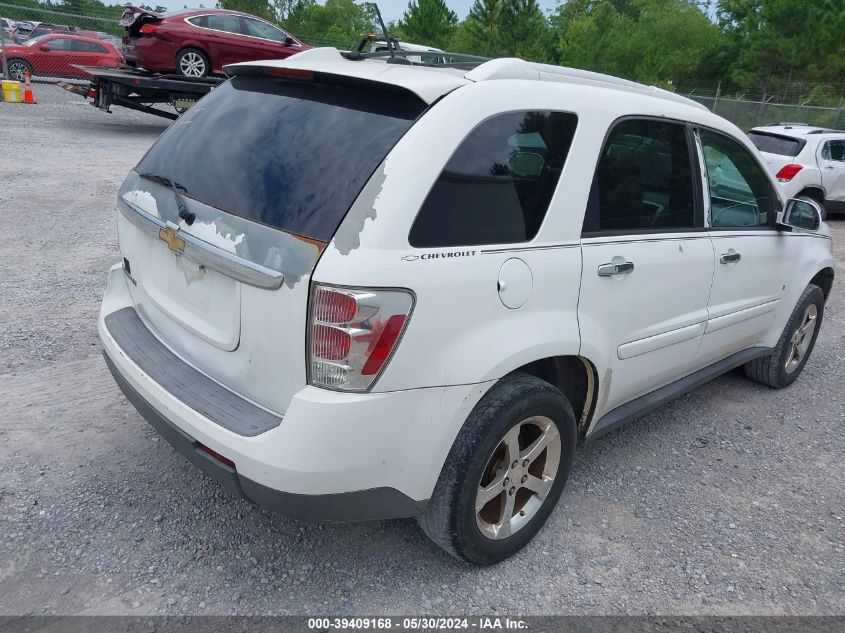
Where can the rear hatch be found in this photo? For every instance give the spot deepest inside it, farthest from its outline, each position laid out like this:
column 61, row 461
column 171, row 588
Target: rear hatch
column 224, row 219
column 778, row 150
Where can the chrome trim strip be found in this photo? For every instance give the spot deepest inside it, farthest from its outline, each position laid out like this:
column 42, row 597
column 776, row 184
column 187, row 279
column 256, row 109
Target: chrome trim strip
column 630, row 239
column 202, row 252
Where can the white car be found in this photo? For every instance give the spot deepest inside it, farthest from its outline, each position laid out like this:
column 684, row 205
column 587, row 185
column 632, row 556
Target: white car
column 806, row 161
column 357, row 290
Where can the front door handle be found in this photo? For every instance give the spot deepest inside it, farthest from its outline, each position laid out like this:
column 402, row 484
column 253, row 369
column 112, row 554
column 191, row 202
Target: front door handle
column 608, row 270
column 730, row 258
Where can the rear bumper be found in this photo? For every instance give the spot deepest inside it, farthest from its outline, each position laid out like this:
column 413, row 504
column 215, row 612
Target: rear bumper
column 151, row 53
column 331, row 456
column 361, row 505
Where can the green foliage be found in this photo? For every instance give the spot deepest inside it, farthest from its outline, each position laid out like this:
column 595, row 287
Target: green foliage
column 429, row 22
column 336, row 23
column 655, row 41
column 788, row 50
column 775, row 43
column 261, row 8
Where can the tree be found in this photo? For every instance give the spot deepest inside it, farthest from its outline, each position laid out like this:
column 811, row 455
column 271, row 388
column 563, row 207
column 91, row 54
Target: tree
column 482, row 26
column 337, row 23
column 653, row 41
column 260, row 8
column 429, row 22
column 778, row 42
column 523, row 31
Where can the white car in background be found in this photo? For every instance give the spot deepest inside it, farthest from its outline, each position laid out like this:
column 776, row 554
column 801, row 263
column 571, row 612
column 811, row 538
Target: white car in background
column 806, row 160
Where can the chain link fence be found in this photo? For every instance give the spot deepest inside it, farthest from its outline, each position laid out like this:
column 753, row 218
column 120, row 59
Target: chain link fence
column 48, row 42
column 749, row 114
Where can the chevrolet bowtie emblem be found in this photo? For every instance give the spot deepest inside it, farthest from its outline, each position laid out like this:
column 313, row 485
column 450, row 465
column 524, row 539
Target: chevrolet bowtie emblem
column 173, row 241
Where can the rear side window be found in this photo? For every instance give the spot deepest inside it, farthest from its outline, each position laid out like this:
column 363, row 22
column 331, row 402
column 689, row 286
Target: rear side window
column 224, row 22
column 834, row 150
column 293, row 155
column 775, row 144
column 644, row 179
column 497, row 186
column 89, row 47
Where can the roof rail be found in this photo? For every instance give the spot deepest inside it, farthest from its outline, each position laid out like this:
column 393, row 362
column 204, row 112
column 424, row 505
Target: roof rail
column 514, row 68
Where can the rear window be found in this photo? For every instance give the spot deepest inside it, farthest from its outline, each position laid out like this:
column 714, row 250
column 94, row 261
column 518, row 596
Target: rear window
column 775, row 144
column 293, row 155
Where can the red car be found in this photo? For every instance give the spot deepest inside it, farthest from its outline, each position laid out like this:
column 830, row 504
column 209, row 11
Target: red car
column 55, row 53
column 199, row 42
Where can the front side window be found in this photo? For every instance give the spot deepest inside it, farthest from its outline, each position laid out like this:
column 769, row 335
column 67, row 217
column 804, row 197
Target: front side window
column 643, row 180
column 257, row 28
column 498, row 184
column 740, row 192
column 60, row 45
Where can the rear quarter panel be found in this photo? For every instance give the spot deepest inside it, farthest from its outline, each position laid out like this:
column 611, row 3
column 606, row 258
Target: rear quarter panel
column 460, row 332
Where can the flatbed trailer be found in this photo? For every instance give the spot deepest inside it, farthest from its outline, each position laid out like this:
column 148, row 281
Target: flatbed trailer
column 141, row 90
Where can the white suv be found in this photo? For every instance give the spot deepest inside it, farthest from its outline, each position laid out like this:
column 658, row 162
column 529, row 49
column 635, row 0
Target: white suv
column 358, row 290
column 807, row 161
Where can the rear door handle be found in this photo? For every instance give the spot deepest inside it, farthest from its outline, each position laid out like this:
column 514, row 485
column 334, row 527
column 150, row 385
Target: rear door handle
column 608, row 270
column 730, row 258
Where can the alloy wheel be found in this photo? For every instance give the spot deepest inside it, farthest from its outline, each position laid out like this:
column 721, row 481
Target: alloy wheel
column 800, row 341
column 518, row 477
column 17, row 70
column 192, row 65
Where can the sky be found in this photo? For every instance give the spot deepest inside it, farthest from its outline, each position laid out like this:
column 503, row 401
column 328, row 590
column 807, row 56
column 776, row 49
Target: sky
column 390, row 9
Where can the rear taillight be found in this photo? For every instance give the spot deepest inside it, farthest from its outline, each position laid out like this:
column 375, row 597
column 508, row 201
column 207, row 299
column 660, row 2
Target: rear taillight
column 353, row 332
column 788, row 172
column 148, row 29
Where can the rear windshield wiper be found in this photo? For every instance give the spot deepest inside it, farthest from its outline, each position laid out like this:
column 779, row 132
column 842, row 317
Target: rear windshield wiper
column 184, row 213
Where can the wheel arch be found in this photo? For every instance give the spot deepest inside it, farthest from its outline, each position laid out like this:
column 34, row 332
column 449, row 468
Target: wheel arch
column 816, row 192
column 186, row 45
column 824, row 280
column 577, row 379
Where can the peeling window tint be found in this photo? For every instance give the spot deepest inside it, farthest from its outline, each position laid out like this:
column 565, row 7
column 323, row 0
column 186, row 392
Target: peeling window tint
column 292, row 155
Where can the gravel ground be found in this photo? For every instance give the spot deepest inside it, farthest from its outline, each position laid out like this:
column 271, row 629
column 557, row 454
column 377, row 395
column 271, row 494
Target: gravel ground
column 727, row 501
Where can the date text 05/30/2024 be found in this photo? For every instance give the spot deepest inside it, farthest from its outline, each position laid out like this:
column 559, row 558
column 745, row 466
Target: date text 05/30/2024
column 418, row 623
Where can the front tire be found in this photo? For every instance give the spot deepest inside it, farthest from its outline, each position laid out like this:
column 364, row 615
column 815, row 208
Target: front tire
column 785, row 363
column 192, row 62
column 505, row 472
column 17, row 68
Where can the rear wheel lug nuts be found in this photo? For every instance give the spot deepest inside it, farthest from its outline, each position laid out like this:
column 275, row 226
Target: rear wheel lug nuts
column 506, row 482
column 515, row 464
column 524, row 478
column 512, row 490
column 525, row 462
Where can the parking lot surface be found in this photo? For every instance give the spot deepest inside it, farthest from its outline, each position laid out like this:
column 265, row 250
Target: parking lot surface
column 727, row 501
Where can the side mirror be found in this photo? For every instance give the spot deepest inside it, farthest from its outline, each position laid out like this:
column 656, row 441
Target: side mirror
column 289, row 41
column 801, row 213
column 45, row 48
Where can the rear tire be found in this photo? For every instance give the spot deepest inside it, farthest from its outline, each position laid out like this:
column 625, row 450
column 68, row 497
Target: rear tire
column 522, row 435
column 192, row 62
column 780, row 368
column 17, row 67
